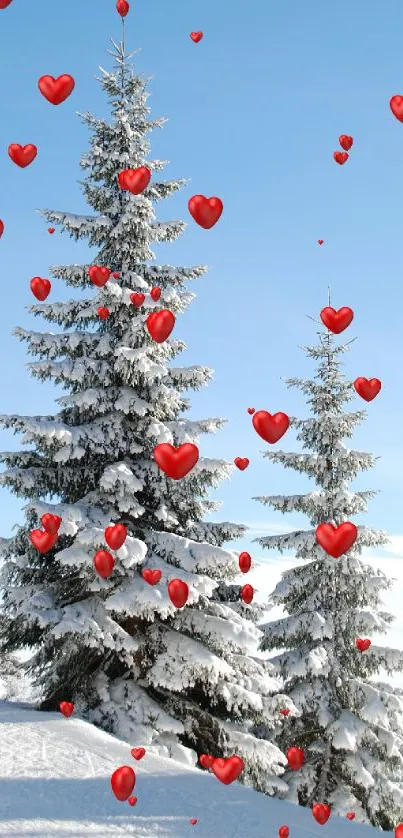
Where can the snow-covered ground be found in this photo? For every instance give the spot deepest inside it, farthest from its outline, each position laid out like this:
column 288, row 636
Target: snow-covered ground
column 55, row 783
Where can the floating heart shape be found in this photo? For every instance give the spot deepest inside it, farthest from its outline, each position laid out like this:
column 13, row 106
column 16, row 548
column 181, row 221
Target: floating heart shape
column 340, row 157
column 22, row 155
column 134, row 180
column 247, row 594
column 270, row 427
column 367, row 388
column 123, row 781
column 98, row 275
column 362, row 644
column 155, row 294
column 241, row 463
column 160, row 324
column 251, row 410
column 1, row 228
column 51, row 230
column 56, row 90
column 193, row 821
column 284, row 832
column 205, row 211
column 206, row 760
column 350, row 816
column 152, row 577
column 42, row 540
column 51, row 523
column 116, row 275
column 132, row 801
column 196, row 36
column 320, row 241
column 104, row 563
column 285, row 711
column 103, row 312
column 296, row 758
column 244, row 561
column 336, row 321
column 40, row 288
column 228, row 770
column 396, row 106
column 346, row 142
column 178, row 592
column 67, row 708
column 137, row 299
column 176, row 462
column 138, row 753
column 115, row 536
column 336, row 540
column 321, row 812
column 122, row 8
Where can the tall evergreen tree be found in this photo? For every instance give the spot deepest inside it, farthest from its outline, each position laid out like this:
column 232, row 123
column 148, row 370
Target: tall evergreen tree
column 350, row 727
column 131, row 661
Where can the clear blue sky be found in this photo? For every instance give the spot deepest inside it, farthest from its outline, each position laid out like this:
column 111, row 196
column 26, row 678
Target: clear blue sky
column 255, row 110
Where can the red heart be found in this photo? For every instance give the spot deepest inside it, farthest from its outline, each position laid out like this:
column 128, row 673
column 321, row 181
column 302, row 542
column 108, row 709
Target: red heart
column 40, row 288
column 104, row 563
column 56, row 90
column 340, row 157
column 116, row 275
column 134, row 180
column 346, row 141
column 99, row 276
column 396, row 106
column 51, row 230
column 244, row 562
column 251, row 410
column 160, row 324
column 193, row 821
column 151, row 576
column 350, row 816
column 122, row 7
column 155, row 293
column 1, row 228
column 336, row 321
column 132, row 801
column 270, row 427
column 43, row 541
column 178, row 592
column 296, row 758
column 176, row 462
column 336, row 540
column 138, row 753
column 67, row 708
column 51, row 523
column 247, row 594
column 320, row 241
column 367, row 388
column 321, row 812
column 399, row 831
column 22, row 155
column 123, row 781
column 137, row 299
column 362, row 644
column 115, row 536
column 206, row 760
column 205, row 211
column 4, row 3
column 196, row 36
column 241, row 463
column 228, row 770
column 103, row 313
column 284, row 832
column 285, row 711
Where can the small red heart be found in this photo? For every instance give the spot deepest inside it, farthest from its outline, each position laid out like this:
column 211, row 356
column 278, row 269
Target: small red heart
column 116, row 275
column 346, row 142
column 228, row 770
column 244, row 561
column 205, row 211
column 399, row 828
column 321, row 812
column 51, row 523
column 270, row 427
column 362, row 644
column 103, row 313
column 241, row 463
column 51, row 230
column 196, row 36
column 123, row 781
column 40, row 288
column 137, row 299
column 296, row 758
column 104, row 563
column 122, row 7
column 56, row 90
column 340, row 157
column 115, row 536
column 152, row 577
column 67, row 708
column 367, row 388
column 176, row 462
column 155, row 294
column 22, row 155
column 42, row 540
column 99, row 276
column 138, row 753
column 284, row 832
column 285, row 711
column 160, row 324
column 1, row 228
column 178, row 592
column 4, row 3
column 336, row 321
column 132, row 801
column 134, row 180
column 320, row 241
column 206, row 760
column 396, row 106
column 247, row 594
column 336, row 540
column 251, row 410
column 351, row 816
column 193, row 821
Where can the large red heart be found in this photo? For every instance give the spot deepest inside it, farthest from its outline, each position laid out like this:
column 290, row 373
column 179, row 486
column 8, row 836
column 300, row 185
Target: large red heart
column 122, row 7
column 103, row 312
column 399, row 828
column 244, row 561
column 67, row 708
column 43, row 541
column 321, row 812
column 51, row 523
column 196, row 36
column 206, row 760
column 396, row 106
column 362, row 644
column 160, row 324
column 123, row 781
column 40, row 288
column 138, row 753
column 115, row 536
column 336, row 321
column 4, row 3
column 241, row 463
column 98, row 275
column 351, row 816
column 134, row 180
column 367, row 388
column 270, row 427
column 247, row 594
column 137, row 299
column 228, row 770
column 178, row 592
column 336, row 540
column 205, row 211
column 152, row 577
column 104, row 563
column 155, row 294
column 176, row 462
column 340, row 157
column 1, row 228
column 22, row 155
column 284, row 832
column 56, row 90
column 296, row 758
column 346, row 142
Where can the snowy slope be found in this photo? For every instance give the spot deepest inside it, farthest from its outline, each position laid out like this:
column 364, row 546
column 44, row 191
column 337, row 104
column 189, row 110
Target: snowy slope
column 55, row 783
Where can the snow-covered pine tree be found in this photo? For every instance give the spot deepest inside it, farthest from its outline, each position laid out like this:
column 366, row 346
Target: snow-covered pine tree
column 350, row 727
column 118, row 648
